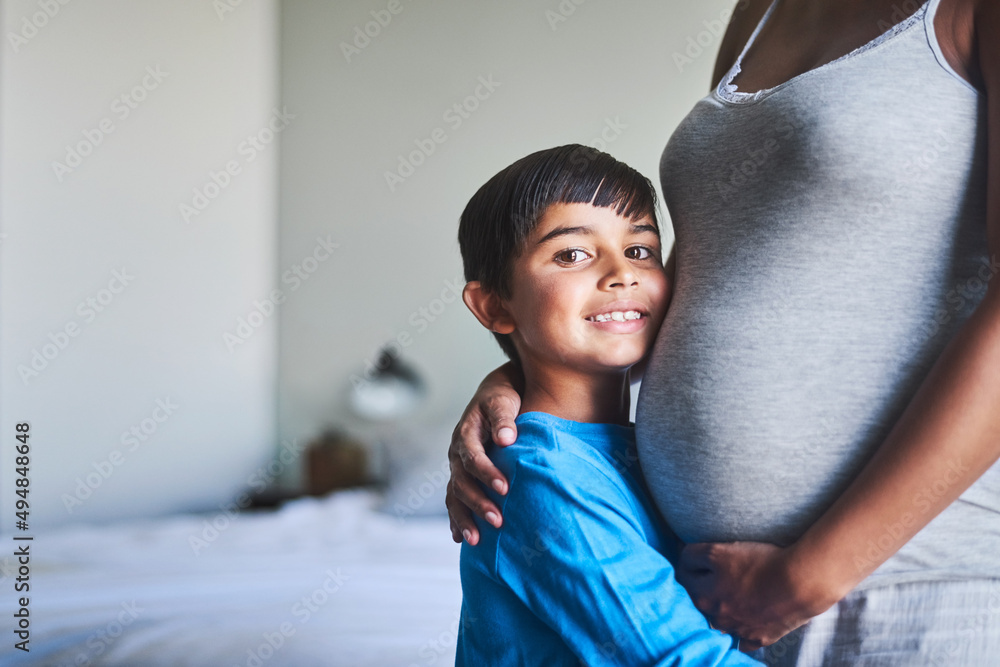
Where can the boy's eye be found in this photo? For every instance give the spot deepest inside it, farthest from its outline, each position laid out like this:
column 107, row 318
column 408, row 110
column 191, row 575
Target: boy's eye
column 571, row 256
column 638, row 252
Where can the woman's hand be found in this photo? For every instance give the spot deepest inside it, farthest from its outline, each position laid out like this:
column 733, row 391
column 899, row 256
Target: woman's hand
column 750, row 589
column 490, row 414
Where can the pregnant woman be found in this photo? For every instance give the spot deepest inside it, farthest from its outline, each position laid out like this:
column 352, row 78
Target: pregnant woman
column 820, row 419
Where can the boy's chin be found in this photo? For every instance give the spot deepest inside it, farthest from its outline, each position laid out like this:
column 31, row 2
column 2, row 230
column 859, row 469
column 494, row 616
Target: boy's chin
column 615, row 364
column 621, row 359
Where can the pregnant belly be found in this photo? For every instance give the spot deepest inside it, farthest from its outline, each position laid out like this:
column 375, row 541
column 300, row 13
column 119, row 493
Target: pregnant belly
column 753, row 418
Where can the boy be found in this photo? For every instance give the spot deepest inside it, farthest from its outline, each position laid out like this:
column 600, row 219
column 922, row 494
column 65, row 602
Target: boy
column 562, row 257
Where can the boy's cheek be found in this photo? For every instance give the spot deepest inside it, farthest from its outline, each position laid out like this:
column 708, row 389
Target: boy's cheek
column 659, row 316
column 653, row 330
column 665, row 290
column 668, row 280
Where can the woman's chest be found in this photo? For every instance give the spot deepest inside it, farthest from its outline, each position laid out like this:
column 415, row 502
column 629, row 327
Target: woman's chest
column 798, row 37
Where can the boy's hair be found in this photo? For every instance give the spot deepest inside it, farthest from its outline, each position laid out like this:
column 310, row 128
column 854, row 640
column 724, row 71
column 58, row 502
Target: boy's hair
column 497, row 221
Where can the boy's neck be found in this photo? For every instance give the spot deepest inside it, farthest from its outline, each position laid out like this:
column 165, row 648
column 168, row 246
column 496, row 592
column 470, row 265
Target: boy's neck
column 577, row 396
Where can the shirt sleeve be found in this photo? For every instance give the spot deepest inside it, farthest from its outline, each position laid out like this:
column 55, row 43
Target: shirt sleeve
column 573, row 550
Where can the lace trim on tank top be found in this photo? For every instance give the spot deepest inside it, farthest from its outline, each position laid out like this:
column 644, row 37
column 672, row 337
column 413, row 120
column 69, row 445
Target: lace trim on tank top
column 728, row 91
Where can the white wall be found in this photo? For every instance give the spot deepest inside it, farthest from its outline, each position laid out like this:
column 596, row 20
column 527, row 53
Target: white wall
column 160, row 337
column 560, row 81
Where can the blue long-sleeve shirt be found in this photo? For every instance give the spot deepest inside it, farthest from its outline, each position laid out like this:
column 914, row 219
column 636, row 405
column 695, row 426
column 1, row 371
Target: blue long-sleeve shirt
column 578, row 571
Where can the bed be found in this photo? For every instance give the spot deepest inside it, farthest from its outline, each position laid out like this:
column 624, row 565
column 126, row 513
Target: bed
column 320, row 581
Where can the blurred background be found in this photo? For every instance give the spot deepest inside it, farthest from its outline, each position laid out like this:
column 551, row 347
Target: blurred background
column 215, row 216
column 230, row 281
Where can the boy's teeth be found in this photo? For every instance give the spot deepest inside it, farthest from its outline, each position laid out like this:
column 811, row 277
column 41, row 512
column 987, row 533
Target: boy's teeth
column 618, row 316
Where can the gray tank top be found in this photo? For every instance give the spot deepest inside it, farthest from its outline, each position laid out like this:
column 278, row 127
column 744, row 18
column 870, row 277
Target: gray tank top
column 831, row 239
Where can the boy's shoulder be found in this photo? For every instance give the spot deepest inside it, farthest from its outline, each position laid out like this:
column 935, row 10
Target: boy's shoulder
column 583, row 473
column 547, row 440
column 566, row 457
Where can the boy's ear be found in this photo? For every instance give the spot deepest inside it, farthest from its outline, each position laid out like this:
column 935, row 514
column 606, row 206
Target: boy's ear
column 488, row 308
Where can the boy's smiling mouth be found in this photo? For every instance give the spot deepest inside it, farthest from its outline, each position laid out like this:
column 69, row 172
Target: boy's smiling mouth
column 617, row 316
column 619, row 311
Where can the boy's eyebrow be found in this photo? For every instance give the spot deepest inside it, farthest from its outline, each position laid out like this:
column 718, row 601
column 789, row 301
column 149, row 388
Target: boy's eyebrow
column 638, row 229
column 566, row 231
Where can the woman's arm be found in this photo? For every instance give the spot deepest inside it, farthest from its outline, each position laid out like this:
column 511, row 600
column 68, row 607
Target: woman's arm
column 948, row 436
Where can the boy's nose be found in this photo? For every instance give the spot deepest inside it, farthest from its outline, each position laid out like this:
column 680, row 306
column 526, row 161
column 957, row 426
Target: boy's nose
column 620, row 274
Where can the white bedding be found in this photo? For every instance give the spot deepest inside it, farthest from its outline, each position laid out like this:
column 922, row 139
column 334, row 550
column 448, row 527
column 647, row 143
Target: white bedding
column 379, row 591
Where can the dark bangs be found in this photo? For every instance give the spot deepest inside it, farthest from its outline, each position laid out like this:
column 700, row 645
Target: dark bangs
column 576, row 174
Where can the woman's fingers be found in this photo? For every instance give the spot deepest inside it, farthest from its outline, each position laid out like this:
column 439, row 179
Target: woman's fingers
column 490, row 414
column 741, row 588
column 697, row 558
column 464, row 495
column 695, row 573
column 500, row 413
column 463, row 526
column 468, row 492
column 468, row 446
column 479, row 465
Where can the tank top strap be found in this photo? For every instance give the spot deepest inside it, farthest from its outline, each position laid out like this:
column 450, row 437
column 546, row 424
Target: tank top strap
column 756, row 31
column 726, row 87
column 930, row 12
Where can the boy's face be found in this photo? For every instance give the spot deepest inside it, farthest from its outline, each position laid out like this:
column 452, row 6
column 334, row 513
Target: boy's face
column 589, row 290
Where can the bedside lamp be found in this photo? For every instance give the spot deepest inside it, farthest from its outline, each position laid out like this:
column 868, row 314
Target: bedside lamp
column 394, row 390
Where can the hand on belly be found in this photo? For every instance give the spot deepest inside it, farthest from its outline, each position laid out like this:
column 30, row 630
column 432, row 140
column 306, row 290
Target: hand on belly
column 747, row 589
